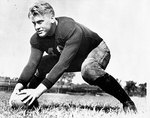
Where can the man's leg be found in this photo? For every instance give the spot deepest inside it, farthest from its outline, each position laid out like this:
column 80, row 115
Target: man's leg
column 93, row 72
column 111, row 86
column 46, row 64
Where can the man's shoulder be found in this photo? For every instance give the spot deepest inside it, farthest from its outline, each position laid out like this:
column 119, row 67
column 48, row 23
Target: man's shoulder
column 34, row 39
column 64, row 19
column 65, row 26
column 36, row 42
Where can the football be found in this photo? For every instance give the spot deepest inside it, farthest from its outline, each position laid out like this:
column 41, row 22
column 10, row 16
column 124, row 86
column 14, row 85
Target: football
column 16, row 101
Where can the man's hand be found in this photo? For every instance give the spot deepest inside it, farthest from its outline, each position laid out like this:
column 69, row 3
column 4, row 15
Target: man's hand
column 33, row 94
column 16, row 90
column 30, row 95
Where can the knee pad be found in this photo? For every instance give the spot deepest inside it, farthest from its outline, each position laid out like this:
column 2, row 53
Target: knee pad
column 91, row 71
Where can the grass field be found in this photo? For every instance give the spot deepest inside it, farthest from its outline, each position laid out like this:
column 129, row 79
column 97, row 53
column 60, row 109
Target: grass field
column 73, row 106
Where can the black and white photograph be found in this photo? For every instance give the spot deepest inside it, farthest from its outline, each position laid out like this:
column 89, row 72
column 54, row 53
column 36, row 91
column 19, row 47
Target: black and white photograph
column 74, row 58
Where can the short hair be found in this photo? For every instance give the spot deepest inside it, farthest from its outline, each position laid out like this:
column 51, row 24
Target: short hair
column 41, row 8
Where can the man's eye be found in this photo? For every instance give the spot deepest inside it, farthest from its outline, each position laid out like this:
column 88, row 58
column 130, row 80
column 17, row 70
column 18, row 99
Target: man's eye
column 33, row 23
column 40, row 22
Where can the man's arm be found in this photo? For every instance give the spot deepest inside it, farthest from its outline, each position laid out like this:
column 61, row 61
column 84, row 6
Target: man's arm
column 72, row 46
column 27, row 72
column 68, row 53
column 30, row 68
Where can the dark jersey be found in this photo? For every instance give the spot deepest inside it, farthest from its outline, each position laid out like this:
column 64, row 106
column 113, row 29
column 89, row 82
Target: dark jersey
column 70, row 41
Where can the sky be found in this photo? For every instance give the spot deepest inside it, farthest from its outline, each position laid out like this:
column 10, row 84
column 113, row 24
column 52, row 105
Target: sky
column 123, row 24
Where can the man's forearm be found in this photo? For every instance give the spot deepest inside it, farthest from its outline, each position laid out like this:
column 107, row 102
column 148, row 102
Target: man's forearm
column 26, row 74
column 55, row 73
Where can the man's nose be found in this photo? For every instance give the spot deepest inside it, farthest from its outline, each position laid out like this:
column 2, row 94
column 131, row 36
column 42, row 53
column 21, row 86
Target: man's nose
column 37, row 27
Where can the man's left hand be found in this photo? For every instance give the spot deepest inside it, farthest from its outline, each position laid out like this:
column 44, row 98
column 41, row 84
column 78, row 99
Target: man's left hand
column 30, row 95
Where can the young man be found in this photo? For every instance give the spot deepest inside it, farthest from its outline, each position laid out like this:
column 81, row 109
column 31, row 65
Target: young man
column 71, row 47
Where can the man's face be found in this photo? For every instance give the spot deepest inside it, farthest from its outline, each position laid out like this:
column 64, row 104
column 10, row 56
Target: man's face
column 42, row 24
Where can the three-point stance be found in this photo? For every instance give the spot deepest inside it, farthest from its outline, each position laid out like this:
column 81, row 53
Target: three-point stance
column 71, row 47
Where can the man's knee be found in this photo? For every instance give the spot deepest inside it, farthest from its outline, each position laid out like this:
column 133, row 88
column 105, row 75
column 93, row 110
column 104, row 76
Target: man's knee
column 91, row 71
column 46, row 64
column 40, row 73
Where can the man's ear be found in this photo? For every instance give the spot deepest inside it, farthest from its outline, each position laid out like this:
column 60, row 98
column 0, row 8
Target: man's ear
column 52, row 20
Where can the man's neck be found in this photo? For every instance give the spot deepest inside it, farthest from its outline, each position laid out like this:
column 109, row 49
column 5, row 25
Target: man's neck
column 53, row 28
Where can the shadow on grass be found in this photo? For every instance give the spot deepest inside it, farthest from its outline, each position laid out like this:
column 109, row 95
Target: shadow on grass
column 67, row 107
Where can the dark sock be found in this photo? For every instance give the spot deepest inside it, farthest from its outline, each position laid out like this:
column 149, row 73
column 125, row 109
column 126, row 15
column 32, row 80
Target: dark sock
column 35, row 81
column 112, row 87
